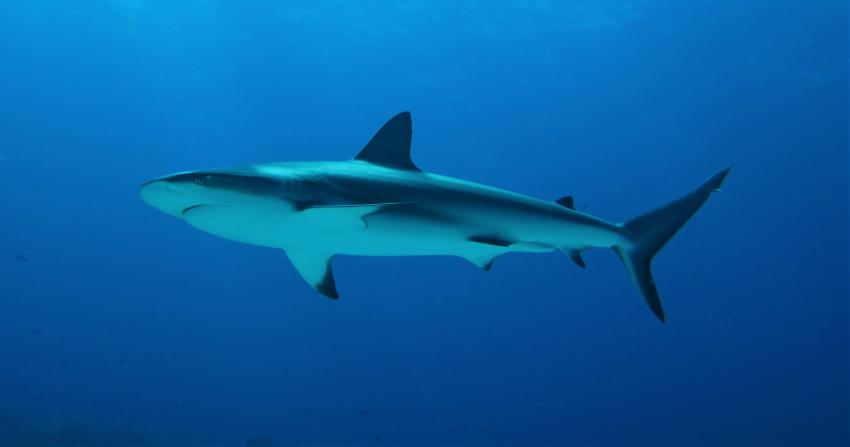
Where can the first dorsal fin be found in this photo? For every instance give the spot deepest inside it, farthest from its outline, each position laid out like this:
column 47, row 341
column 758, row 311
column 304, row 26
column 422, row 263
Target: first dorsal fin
column 391, row 145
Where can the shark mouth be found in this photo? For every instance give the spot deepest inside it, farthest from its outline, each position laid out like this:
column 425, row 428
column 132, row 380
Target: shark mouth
column 194, row 207
column 190, row 208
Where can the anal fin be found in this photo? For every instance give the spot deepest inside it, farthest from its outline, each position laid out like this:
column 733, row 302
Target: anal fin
column 316, row 269
column 483, row 261
column 575, row 255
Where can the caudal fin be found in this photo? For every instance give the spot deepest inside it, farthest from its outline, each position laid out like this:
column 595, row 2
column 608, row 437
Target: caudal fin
column 647, row 234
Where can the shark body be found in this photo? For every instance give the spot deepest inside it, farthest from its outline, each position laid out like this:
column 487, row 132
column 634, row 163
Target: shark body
column 381, row 204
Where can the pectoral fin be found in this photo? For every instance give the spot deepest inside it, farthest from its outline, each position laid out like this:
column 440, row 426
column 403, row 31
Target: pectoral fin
column 316, row 269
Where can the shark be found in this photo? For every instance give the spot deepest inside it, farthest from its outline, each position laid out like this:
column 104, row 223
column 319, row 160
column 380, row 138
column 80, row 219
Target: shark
column 381, row 204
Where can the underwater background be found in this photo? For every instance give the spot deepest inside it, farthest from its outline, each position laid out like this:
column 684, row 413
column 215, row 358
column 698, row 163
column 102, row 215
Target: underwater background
column 120, row 325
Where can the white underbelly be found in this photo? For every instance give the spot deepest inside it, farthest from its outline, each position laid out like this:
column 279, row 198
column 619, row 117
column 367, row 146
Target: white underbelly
column 339, row 233
column 372, row 241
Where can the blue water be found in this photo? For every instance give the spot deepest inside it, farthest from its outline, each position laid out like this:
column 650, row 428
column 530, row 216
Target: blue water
column 121, row 325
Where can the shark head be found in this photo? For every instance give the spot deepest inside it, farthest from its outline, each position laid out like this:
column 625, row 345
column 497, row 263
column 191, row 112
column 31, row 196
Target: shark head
column 175, row 193
column 231, row 203
column 180, row 193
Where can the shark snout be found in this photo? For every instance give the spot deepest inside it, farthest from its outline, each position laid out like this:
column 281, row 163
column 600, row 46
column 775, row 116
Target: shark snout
column 157, row 194
column 168, row 195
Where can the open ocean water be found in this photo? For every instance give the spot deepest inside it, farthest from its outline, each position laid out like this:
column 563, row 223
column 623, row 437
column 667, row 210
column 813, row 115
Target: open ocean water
column 120, row 325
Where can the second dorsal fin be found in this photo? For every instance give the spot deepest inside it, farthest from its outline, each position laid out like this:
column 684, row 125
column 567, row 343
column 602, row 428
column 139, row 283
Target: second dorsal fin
column 567, row 202
column 391, row 144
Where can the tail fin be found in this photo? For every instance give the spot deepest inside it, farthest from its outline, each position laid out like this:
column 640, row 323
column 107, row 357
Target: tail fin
column 648, row 233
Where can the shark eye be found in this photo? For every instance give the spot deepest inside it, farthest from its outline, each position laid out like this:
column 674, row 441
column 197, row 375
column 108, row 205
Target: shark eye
column 200, row 179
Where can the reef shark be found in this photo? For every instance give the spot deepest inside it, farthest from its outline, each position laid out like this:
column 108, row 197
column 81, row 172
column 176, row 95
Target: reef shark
column 381, row 204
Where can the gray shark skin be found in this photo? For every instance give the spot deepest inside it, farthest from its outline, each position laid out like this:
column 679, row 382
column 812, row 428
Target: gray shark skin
column 381, row 204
